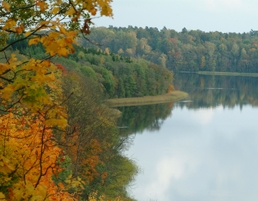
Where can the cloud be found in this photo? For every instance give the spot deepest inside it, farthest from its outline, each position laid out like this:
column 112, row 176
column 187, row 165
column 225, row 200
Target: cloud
column 167, row 170
column 203, row 116
column 170, row 171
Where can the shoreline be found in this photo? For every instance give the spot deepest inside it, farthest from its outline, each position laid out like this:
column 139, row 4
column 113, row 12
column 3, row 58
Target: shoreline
column 222, row 73
column 147, row 100
column 228, row 74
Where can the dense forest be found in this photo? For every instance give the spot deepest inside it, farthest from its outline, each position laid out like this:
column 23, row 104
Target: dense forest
column 93, row 142
column 58, row 138
column 119, row 76
column 188, row 50
column 89, row 161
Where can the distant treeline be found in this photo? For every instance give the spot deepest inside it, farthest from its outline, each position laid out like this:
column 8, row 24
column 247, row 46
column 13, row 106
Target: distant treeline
column 188, row 50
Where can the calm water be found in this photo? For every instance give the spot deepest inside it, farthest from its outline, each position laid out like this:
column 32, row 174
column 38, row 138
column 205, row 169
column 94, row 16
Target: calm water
column 204, row 148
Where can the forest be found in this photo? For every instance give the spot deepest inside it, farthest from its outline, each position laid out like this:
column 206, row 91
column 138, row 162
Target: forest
column 188, row 50
column 58, row 138
column 118, row 76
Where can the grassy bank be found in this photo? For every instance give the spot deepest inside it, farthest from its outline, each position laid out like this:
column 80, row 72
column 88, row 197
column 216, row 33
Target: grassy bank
column 147, row 100
column 227, row 73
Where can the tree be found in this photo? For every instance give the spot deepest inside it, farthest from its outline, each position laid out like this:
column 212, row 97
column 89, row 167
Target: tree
column 32, row 106
column 29, row 159
column 54, row 24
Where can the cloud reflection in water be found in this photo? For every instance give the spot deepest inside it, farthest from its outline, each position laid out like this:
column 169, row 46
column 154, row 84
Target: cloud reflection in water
column 204, row 155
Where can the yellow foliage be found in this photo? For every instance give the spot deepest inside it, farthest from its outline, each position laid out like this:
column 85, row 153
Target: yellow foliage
column 28, row 159
column 94, row 197
column 2, row 196
column 10, row 24
column 43, row 5
column 6, row 6
column 34, row 41
column 55, row 10
column 56, row 122
column 31, row 95
column 70, row 12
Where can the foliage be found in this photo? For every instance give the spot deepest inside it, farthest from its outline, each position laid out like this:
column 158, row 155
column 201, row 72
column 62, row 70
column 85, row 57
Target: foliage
column 122, row 76
column 95, row 138
column 188, row 50
column 28, row 156
column 33, row 112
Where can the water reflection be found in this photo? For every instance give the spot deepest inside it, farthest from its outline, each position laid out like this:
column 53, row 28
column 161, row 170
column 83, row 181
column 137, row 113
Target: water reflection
column 203, row 154
column 207, row 150
column 139, row 118
column 211, row 91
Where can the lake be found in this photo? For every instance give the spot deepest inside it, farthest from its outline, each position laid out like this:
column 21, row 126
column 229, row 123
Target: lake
column 204, row 148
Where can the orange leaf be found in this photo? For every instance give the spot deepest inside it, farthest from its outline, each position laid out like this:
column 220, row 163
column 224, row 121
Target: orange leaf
column 6, row 6
column 43, row 6
column 93, row 11
column 20, row 29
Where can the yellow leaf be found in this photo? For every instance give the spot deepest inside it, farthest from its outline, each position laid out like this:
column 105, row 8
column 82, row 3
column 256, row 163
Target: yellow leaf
column 34, row 41
column 63, row 30
column 56, row 122
column 9, row 24
column 54, row 35
column 46, row 63
column 6, row 6
column 63, row 52
column 55, row 10
column 3, row 68
column 51, row 77
column 27, row 33
column 52, row 49
column 7, row 92
column 2, row 196
column 6, row 180
column 70, row 12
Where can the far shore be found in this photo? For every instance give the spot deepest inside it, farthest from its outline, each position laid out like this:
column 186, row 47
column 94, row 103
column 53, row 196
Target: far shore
column 220, row 73
column 228, row 73
column 147, row 100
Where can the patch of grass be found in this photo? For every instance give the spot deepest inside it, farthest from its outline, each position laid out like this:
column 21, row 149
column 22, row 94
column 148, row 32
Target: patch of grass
column 228, row 73
column 147, row 100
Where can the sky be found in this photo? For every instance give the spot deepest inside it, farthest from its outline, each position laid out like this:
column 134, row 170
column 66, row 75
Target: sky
column 206, row 15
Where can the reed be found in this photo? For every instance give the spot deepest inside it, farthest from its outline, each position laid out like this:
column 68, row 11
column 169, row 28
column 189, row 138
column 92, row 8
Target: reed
column 228, row 73
column 147, row 100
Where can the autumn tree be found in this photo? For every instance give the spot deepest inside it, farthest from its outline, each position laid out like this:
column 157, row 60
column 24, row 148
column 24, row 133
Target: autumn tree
column 32, row 106
column 96, row 142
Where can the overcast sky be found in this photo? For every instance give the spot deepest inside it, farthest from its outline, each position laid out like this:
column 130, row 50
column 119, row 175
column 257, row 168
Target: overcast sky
column 206, row 15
